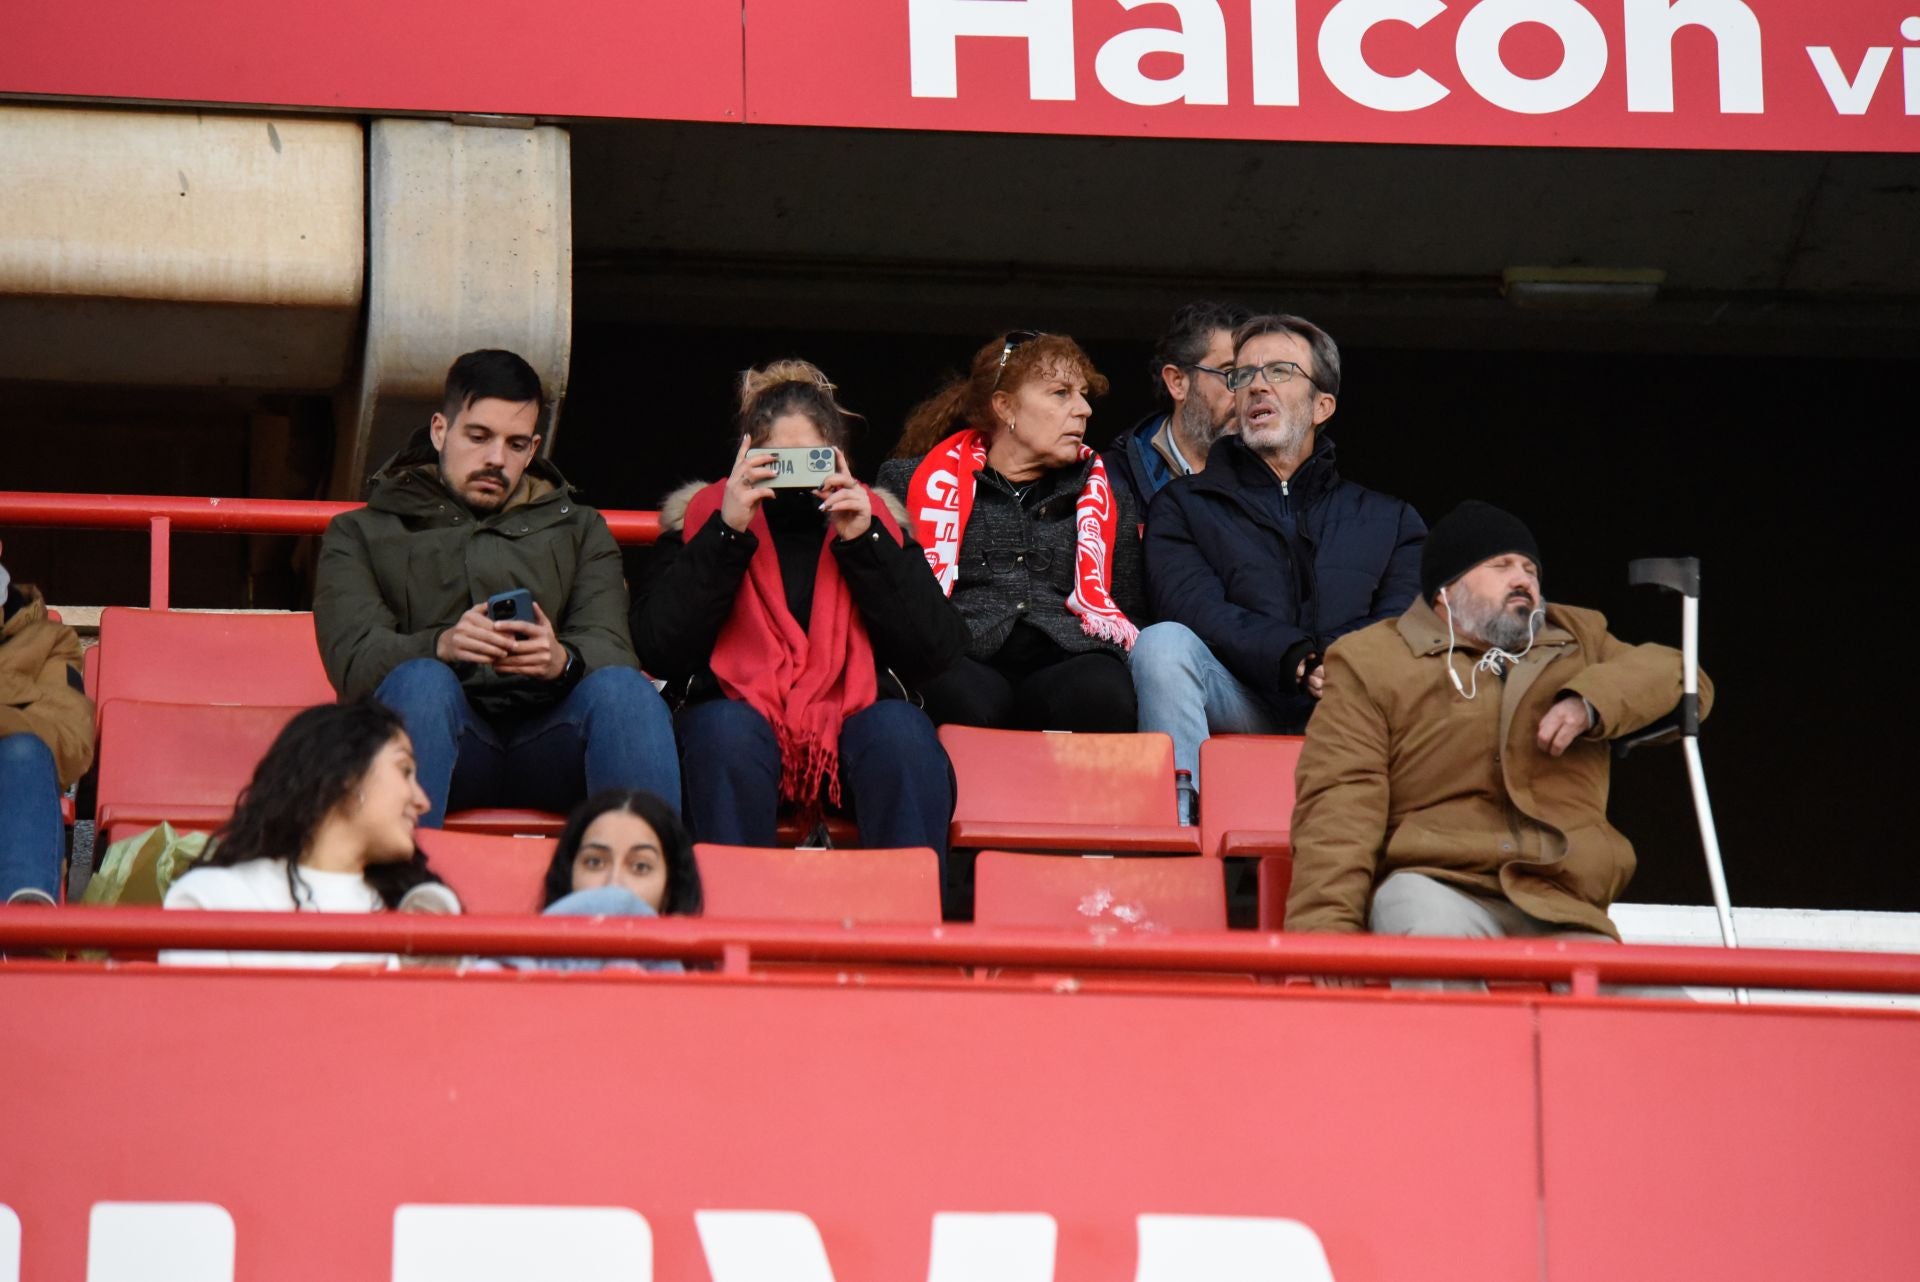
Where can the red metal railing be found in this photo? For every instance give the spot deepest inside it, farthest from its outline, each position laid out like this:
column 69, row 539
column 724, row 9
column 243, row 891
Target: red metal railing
column 160, row 515
column 1583, row 966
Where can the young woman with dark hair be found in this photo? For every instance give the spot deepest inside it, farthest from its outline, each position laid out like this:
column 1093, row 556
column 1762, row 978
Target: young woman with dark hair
column 326, row 825
column 796, row 624
column 630, row 840
column 1038, row 549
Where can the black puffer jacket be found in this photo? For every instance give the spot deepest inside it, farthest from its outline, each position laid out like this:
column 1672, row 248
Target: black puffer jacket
column 1219, row 561
column 690, row 584
column 994, row 594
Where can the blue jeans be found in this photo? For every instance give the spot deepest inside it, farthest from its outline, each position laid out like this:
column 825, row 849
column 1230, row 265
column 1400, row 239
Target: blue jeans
column 30, row 834
column 1187, row 694
column 894, row 776
column 612, row 730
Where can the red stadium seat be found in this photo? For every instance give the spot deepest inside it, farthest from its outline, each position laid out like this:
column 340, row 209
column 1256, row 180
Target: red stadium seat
column 1246, row 810
column 188, row 703
column 176, row 656
column 1027, row 790
column 490, row 874
column 179, row 762
column 507, row 823
column 842, row 833
column 892, row 886
column 1128, row 895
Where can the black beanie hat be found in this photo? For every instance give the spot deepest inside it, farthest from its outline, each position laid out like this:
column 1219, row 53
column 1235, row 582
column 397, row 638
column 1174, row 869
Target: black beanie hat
column 1471, row 533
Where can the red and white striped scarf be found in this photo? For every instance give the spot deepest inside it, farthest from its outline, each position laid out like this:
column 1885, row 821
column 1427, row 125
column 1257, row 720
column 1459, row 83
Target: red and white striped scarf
column 940, row 499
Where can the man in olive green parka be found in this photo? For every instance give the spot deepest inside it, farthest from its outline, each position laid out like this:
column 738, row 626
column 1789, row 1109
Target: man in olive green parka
column 501, row 711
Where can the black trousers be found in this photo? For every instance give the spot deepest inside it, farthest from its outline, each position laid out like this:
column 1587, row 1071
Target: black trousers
column 1032, row 684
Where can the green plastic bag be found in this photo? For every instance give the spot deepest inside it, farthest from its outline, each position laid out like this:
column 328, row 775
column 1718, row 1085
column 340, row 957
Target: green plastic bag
column 138, row 869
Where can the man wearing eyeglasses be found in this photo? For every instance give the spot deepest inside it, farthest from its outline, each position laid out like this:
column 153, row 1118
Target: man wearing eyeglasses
column 1258, row 563
column 1189, row 378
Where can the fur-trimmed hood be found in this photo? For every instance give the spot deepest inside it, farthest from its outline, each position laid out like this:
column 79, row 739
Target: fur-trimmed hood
column 673, row 508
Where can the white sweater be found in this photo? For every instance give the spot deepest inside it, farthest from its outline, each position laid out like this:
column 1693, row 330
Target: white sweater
column 260, row 885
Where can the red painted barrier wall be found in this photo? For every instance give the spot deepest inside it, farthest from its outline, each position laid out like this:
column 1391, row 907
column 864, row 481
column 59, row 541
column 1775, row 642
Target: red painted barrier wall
column 671, row 59
column 1412, row 1138
column 1748, row 74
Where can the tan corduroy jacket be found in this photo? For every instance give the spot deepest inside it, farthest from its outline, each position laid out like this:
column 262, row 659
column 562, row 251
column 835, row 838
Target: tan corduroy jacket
column 35, row 696
column 1401, row 773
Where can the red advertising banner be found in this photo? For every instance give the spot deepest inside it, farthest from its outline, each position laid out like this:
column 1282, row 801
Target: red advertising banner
column 667, row 59
column 1712, row 74
column 427, row 1127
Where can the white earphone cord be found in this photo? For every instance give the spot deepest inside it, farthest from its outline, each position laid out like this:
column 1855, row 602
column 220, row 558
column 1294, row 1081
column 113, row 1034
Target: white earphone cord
column 1494, row 655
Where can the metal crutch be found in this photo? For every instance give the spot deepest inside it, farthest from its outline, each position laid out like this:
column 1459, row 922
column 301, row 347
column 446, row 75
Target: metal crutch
column 1682, row 575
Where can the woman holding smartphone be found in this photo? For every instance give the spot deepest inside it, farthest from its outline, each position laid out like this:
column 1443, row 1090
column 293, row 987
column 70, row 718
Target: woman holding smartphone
column 794, row 621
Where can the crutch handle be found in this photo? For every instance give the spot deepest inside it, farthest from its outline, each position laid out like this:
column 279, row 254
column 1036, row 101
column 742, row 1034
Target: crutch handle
column 1674, row 573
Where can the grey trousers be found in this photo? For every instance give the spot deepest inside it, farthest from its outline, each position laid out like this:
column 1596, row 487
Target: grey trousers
column 1408, row 903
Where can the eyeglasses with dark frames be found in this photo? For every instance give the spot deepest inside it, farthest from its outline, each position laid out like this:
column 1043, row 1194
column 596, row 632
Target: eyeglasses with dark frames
column 1275, row 372
column 1224, row 375
column 1014, row 339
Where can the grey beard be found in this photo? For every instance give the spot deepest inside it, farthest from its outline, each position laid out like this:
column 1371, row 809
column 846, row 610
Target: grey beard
column 1286, row 437
column 1491, row 625
column 1194, row 426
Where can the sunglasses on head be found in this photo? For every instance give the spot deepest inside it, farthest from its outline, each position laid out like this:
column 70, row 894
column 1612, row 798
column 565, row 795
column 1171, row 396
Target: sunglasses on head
column 1014, row 339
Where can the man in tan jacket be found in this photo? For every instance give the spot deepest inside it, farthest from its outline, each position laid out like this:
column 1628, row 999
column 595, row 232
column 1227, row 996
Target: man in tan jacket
column 46, row 741
column 1454, row 779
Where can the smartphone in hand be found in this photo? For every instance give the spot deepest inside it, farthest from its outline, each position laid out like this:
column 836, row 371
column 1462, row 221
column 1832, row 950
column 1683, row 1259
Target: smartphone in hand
column 515, row 603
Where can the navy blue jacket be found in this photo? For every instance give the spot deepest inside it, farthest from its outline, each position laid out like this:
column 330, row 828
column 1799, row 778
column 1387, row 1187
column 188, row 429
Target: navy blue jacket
column 1219, row 561
column 1134, row 463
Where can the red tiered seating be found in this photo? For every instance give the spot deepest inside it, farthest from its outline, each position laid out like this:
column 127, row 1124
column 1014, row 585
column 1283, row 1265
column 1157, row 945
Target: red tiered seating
column 250, row 660
column 183, row 763
column 1127, row 894
column 1027, row 790
column 188, row 703
column 1246, row 809
column 490, row 874
column 172, row 656
column 891, row 886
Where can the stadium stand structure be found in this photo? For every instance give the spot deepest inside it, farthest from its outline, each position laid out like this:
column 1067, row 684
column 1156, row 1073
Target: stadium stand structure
column 1244, row 814
column 747, row 883
column 1102, row 793
column 491, row 874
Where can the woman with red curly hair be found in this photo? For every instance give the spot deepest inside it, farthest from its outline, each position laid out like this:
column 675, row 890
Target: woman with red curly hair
column 1029, row 537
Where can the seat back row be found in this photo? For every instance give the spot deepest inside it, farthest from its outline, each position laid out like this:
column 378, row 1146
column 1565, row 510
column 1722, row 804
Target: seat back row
column 190, row 701
column 507, row 875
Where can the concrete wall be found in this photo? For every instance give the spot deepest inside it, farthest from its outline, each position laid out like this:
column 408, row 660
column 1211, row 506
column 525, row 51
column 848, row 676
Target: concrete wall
column 179, row 249
column 142, row 249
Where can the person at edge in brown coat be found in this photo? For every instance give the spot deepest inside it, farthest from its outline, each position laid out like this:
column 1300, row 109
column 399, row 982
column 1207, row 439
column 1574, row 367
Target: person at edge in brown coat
column 1454, row 779
column 46, row 741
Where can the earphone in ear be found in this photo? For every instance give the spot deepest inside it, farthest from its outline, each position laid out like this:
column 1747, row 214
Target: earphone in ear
column 1495, row 659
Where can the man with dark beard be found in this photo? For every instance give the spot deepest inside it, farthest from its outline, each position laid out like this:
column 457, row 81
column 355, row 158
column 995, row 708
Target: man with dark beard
column 538, row 706
column 1454, row 780
column 1259, row 563
column 1190, row 378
